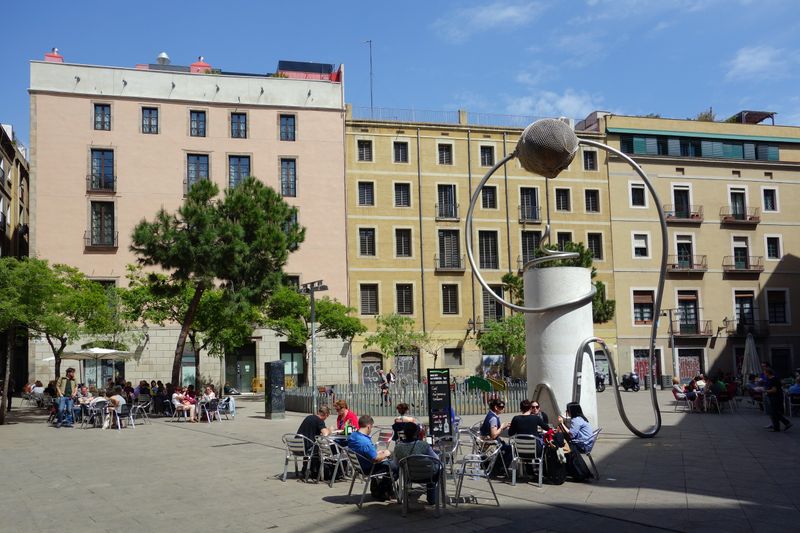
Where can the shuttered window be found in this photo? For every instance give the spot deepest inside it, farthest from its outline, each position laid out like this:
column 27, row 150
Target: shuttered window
column 450, row 299
column 369, row 299
column 402, row 195
column 449, row 249
column 643, row 307
column 487, row 156
column 489, row 197
column 405, row 298
column 402, row 239
column 594, row 242
column 445, row 154
column 400, row 152
column 640, row 248
column 364, row 150
column 592, row 200
column 492, row 309
column 366, row 241
column 563, row 202
column 366, row 193
column 530, row 243
column 487, row 249
column 776, row 307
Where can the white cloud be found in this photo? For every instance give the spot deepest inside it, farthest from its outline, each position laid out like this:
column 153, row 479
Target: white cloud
column 570, row 103
column 462, row 23
column 756, row 61
column 536, row 74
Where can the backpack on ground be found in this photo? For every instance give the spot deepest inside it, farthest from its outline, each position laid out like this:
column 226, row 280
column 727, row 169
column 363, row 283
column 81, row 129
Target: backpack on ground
column 381, row 488
column 555, row 472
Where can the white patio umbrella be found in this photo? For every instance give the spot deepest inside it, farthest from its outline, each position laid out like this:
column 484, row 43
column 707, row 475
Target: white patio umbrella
column 751, row 364
column 97, row 354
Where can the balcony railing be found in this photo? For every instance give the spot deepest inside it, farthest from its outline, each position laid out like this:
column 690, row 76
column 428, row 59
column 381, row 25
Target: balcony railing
column 752, row 263
column 101, row 183
column 446, row 211
column 692, row 214
column 750, row 215
column 449, row 263
column 687, row 263
column 107, row 240
column 529, row 213
column 695, row 328
column 741, row 328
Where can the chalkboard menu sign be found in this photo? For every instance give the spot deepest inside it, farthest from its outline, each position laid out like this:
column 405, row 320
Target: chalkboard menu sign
column 439, row 402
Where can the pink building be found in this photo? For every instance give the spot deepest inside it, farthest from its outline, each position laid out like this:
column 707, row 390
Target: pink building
column 112, row 145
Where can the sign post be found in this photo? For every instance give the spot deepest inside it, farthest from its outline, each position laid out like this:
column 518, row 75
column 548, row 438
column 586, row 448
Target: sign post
column 439, row 402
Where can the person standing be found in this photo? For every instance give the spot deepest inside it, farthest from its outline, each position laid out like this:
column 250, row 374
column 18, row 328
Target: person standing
column 66, row 391
column 774, row 392
column 10, row 392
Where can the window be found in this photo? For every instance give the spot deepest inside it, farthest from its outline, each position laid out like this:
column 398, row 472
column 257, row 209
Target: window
column 366, row 193
column 776, row 307
column 562, row 238
column 288, row 225
column 287, row 127
column 741, row 253
column 102, row 178
column 492, row 309
column 102, row 231
column 643, row 307
column 592, row 200
column 770, row 200
column 773, row 247
column 489, row 197
column 196, row 169
column 698, row 147
column 293, row 282
column 400, row 152
column 452, row 357
column 589, row 160
column 685, row 248
column 369, row 298
column 402, row 195
column 449, row 249
column 530, row 243
column 487, row 249
column 594, row 241
column 238, row 169
column 738, row 204
column 288, row 177
column 102, row 117
column 197, row 123
column 688, row 312
column 149, row 120
column 640, row 248
column 744, row 302
column 405, row 299
column 563, row 200
column 445, row 154
column 447, row 207
column 239, row 125
column 366, row 242
column 402, row 242
column 487, row 156
column 638, row 198
column 364, row 150
column 450, row 299
column 529, row 204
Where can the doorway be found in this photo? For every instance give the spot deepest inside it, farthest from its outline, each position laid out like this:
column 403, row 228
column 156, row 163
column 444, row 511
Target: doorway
column 294, row 365
column 240, row 368
column 371, row 362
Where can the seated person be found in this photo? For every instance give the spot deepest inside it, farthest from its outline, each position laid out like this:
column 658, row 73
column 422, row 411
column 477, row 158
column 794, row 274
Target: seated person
column 401, row 419
column 37, row 388
column 115, row 402
column 311, row 427
column 181, row 402
column 527, row 423
column 50, row 390
column 700, row 381
column 491, row 428
column 579, row 433
column 82, row 400
column 209, row 394
column 795, row 388
column 345, row 415
column 368, row 455
column 410, row 444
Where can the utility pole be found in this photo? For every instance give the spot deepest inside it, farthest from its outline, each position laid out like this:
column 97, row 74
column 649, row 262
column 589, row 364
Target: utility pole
column 311, row 288
column 369, row 41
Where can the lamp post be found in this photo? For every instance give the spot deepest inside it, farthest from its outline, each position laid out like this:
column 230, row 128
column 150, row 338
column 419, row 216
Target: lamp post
column 310, row 288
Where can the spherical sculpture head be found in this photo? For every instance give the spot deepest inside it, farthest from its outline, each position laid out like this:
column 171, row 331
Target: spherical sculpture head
column 547, row 147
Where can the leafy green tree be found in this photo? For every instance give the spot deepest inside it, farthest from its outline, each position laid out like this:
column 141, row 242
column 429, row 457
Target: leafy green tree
column 395, row 335
column 239, row 244
column 706, row 116
column 512, row 284
column 10, row 316
column 506, row 337
column 289, row 313
column 432, row 344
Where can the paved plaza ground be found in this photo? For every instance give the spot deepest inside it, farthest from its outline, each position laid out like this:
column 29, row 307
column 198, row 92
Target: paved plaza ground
column 702, row 472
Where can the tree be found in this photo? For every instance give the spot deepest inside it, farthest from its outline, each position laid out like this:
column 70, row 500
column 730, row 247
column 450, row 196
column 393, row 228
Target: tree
column 506, row 337
column 289, row 313
column 513, row 285
column 9, row 318
column 706, row 116
column 239, row 244
column 395, row 335
column 432, row 344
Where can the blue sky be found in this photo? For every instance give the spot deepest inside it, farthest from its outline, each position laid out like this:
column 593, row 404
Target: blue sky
column 543, row 58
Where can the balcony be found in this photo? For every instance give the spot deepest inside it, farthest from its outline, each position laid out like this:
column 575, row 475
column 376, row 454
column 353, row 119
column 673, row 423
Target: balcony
column 452, row 263
column 103, row 241
column 692, row 329
column 692, row 214
column 529, row 214
column 447, row 212
column 743, row 264
column 101, row 184
column 687, row 263
column 749, row 216
column 741, row 328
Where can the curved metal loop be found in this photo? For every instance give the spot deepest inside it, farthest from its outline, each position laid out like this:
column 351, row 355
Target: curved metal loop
column 576, row 302
column 542, row 388
column 576, row 388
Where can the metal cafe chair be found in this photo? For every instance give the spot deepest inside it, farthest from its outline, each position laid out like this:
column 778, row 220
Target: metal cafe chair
column 527, row 450
column 422, row 469
column 477, row 467
column 366, row 477
column 298, row 447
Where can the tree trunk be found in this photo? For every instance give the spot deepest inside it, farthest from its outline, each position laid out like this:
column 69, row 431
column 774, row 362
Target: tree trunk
column 10, row 332
column 196, row 349
column 188, row 318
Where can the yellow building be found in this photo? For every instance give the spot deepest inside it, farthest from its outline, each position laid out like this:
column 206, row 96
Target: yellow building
column 730, row 192
column 410, row 176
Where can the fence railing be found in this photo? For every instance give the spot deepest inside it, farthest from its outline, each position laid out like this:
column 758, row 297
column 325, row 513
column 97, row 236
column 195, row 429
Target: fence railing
column 368, row 399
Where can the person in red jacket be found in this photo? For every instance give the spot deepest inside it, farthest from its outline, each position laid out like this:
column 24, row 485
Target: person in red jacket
column 344, row 415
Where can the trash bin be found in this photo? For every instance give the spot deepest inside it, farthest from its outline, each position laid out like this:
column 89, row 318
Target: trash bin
column 666, row 381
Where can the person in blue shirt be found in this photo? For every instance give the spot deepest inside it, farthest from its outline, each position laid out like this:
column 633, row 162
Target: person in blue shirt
column 579, row 431
column 491, row 430
column 368, row 455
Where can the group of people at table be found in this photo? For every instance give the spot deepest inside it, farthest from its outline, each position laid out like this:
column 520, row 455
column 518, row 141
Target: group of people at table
column 409, row 434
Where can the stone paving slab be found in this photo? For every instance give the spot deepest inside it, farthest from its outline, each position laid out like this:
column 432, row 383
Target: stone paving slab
column 702, row 471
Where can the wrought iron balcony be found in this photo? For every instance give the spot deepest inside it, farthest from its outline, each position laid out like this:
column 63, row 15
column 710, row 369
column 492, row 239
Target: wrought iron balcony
column 104, row 240
column 101, row 183
column 695, row 328
column 741, row 328
column 743, row 264
column 449, row 263
column 446, row 212
column 692, row 214
column 687, row 263
column 529, row 214
column 730, row 215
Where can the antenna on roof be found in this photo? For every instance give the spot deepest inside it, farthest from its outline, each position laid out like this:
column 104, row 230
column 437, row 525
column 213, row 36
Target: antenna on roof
column 163, row 59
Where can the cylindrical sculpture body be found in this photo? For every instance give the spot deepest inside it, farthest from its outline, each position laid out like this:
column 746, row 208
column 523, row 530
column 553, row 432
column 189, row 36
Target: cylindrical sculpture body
column 552, row 338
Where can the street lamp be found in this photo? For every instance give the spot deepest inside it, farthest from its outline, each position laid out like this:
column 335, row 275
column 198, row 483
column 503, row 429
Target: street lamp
column 310, row 288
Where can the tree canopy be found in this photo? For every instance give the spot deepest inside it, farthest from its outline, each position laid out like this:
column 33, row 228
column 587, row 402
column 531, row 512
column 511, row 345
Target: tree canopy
column 506, row 337
column 395, row 335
